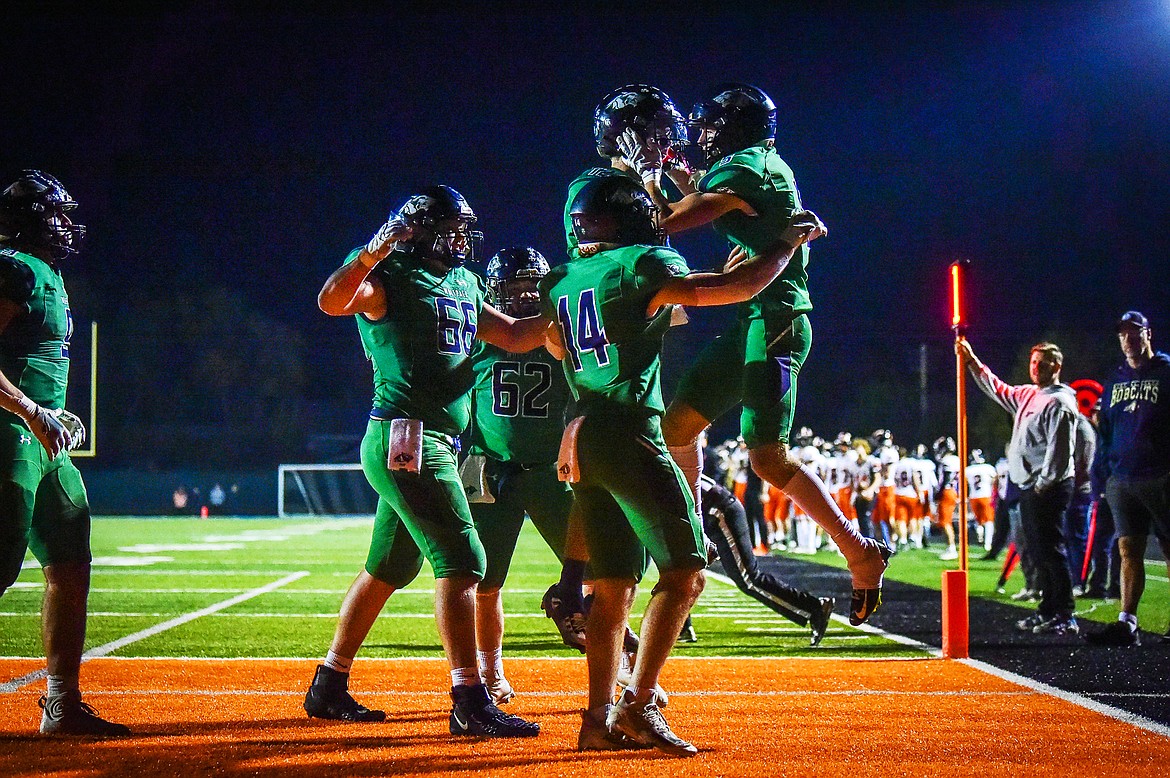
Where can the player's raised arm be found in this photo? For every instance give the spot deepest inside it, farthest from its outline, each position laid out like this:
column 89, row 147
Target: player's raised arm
column 744, row 276
column 350, row 289
column 514, row 335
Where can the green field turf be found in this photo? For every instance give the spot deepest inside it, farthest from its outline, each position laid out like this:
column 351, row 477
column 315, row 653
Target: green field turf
column 150, row 571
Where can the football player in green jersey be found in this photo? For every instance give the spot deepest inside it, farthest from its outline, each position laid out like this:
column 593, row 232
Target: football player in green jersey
column 419, row 312
column 649, row 112
column 610, row 307
column 750, row 195
column 518, row 407
column 43, row 505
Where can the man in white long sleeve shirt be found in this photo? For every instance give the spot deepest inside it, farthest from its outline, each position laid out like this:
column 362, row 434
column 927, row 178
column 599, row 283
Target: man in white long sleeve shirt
column 1040, row 462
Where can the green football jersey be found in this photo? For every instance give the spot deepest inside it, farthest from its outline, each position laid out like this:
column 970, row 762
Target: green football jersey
column 578, row 183
column 421, row 349
column 518, row 405
column 34, row 348
column 765, row 182
column 599, row 303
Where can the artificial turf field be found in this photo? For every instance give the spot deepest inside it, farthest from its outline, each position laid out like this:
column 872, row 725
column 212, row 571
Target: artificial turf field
column 203, row 636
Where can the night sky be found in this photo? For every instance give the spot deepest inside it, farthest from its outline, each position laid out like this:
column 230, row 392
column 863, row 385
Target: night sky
column 226, row 161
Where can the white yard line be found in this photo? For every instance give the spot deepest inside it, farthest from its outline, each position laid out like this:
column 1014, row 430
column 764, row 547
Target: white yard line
column 122, row 642
column 1140, row 722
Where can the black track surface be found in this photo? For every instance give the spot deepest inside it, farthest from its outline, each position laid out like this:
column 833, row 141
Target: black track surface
column 1134, row 679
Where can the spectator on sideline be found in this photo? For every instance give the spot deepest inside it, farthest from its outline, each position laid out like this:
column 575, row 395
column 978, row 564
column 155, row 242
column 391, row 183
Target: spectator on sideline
column 1040, row 459
column 1076, row 518
column 1133, row 465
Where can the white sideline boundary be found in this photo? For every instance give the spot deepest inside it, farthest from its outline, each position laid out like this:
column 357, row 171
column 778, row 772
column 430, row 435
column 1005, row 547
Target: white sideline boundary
column 114, row 645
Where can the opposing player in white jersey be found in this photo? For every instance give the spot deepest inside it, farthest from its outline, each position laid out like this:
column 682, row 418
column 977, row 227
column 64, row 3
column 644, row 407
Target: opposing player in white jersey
column 885, row 504
column 841, row 476
column 927, row 485
column 982, row 484
column 904, row 476
column 807, row 531
column 948, row 493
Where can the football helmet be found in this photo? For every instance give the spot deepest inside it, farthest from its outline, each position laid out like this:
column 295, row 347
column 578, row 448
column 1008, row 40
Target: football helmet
column 33, row 216
column 441, row 221
column 976, row 456
column 512, row 275
column 615, row 210
column 640, row 107
column 944, row 446
column 738, row 116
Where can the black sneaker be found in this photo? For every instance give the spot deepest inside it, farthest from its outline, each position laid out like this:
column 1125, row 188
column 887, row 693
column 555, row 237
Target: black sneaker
column 474, row 715
column 1060, row 624
column 328, row 698
column 570, row 625
column 1118, row 633
column 644, row 723
column 818, row 620
column 1030, row 623
column 66, row 714
column 864, row 602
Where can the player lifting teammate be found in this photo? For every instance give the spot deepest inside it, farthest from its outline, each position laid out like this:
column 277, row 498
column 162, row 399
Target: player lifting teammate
column 611, row 309
column 750, row 196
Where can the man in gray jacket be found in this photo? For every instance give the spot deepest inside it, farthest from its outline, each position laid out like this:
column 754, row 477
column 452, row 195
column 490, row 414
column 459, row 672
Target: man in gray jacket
column 1040, row 462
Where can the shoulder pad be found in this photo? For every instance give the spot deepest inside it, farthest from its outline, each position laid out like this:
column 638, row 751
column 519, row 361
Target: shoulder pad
column 16, row 278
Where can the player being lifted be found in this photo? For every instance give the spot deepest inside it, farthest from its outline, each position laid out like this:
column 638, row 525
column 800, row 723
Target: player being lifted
column 611, row 309
column 518, row 409
column 750, row 196
column 43, row 504
column 419, row 312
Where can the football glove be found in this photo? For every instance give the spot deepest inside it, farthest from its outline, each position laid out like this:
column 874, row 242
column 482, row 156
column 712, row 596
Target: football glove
column 387, row 237
column 635, row 156
column 44, row 425
column 73, row 425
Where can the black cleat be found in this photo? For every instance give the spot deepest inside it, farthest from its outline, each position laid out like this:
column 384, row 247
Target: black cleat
column 66, row 714
column 1118, row 633
column 865, row 601
column 688, row 634
column 818, row 620
column 474, row 715
column 328, row 698
column 571, row 625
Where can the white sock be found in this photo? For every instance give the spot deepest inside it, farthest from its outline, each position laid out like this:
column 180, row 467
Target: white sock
column 338, row 662
column 809, row 493
column 465, row 676
column 60, row 684
column 491, row 664
column 689, row 459
column 1128, row 618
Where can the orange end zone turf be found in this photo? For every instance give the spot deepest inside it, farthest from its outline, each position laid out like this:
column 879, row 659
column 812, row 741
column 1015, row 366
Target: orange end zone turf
column 754, row 717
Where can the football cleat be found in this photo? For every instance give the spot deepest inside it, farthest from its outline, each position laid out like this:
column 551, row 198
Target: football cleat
column 688, row 634
column 1060, row 624
column 473, row 714
column 818, row 620
column 596, row 736
column 867, row 597
column 328, row 698
column 66, row 714
column 1030, row 622
column 644, row 723
column 571, row 625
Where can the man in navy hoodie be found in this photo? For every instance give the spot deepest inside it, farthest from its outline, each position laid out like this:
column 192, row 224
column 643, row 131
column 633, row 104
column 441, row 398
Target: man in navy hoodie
column 1132, row 465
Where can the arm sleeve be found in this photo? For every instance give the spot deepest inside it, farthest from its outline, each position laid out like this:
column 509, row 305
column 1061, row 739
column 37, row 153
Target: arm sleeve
column 1005, row 395
column 16, row 280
